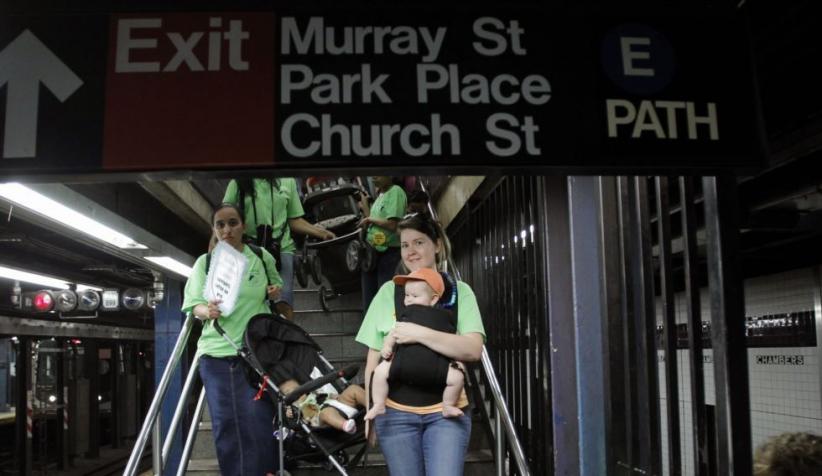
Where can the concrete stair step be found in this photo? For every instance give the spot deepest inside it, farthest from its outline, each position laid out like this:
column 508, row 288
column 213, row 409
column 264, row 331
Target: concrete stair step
column 477, row 463
column 334, row 332
column 322, row 322
column 309, row 299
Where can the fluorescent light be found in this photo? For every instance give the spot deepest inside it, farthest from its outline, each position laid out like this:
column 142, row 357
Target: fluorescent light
column 49, row 208
column 171, row 264
column 19, row 275
column 83, row 287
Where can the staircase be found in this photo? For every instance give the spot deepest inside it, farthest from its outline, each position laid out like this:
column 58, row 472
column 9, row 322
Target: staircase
column 334, row 331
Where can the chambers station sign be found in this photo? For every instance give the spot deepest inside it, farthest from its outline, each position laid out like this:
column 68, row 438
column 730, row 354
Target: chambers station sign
column 521, row 88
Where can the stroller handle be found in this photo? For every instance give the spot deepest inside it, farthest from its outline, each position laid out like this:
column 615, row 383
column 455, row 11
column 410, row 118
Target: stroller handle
column 347, row 372
column 328, row 243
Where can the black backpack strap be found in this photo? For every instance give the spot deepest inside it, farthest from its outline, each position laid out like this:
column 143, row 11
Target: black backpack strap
column 259, row 252
column 399, row 300
column 241, row 199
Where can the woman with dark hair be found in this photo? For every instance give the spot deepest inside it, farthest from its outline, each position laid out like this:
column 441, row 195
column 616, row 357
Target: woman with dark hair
column 380, row 225
column 272, row 210
column 242, row 427
column 413, row 433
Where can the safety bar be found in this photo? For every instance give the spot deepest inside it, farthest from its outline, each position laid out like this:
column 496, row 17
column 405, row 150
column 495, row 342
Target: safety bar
column 189, row 445
column 181, row 407
column 152, row 417
column 316, row 245
column 503, row 417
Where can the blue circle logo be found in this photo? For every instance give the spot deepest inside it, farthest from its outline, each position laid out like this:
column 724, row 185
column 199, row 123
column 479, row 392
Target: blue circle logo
column 637, row 58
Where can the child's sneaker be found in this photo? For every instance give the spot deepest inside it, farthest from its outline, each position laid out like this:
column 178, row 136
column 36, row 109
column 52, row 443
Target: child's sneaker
column 350, row 427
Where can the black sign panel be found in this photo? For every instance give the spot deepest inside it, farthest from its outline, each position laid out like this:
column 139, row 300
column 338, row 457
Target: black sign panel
column 52, row 74
column 514, row 88
column 476, row 88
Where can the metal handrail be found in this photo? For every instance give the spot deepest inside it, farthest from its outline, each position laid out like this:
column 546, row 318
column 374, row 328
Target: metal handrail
column 189, row 445
column 181, row 406
column 503, row 417
column 152, row 421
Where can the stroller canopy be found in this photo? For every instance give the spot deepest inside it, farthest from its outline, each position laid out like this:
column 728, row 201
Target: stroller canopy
column 282, row 349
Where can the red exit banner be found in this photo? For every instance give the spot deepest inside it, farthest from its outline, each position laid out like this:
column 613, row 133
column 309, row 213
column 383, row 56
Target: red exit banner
column 189, row 89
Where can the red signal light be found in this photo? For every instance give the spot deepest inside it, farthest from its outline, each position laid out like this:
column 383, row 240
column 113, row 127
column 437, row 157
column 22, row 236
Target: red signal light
column 43, row 301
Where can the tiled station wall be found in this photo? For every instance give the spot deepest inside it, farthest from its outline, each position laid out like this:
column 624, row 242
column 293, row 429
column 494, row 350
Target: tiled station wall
column 784, row 380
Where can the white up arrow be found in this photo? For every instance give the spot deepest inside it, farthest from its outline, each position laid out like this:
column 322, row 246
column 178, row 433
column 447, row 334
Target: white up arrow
column 24, row 64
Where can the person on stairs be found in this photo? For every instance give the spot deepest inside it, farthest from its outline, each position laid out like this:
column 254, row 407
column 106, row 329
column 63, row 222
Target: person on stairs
column 380, row 226
column 416, row 363
column 413, row 434
column 272, row 210
column 242, row 427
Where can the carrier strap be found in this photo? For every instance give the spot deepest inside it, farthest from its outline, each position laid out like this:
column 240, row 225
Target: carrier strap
column 272, row 185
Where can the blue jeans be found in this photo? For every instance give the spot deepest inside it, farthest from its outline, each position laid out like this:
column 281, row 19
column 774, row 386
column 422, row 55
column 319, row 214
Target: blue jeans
column 287, row 273
column 383, row 271
column 243, row 428
column 423, row 445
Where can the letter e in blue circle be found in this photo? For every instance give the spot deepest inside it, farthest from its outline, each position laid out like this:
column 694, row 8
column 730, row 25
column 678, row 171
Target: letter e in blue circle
column 638, row 59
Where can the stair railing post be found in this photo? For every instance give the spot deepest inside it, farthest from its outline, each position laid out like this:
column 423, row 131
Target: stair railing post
column 192, row 434
column 181, row 406
column 499, row 443
column 152, row 417
column 156, row 446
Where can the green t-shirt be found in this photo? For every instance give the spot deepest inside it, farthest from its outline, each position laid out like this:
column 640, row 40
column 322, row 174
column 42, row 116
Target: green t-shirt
column 250, row 302
column 382, row 315
column 275, row 206
column 390, row 204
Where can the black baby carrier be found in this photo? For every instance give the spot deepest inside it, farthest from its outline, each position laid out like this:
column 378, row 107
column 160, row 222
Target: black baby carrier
column 412, row 383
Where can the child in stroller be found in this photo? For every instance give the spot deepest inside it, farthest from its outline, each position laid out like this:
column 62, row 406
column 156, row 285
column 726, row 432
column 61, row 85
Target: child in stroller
column 289, row 361
column 323, row 408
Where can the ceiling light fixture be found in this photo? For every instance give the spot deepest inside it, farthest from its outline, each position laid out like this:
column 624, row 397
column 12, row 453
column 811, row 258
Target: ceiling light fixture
column 28, row 198
column 39, row 279
column 171, row 264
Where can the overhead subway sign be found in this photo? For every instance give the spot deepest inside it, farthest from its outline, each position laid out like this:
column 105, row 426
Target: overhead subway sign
column 435, row 83
column 297, row 88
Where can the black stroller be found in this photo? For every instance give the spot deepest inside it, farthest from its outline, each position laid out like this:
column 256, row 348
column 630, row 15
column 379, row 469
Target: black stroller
column 277, row 350
column 332, row 204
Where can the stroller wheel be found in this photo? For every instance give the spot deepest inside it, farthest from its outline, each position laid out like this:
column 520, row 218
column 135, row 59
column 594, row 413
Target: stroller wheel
column 342, row 457
column 315, row 269
column 300, row 272
column 352, row 255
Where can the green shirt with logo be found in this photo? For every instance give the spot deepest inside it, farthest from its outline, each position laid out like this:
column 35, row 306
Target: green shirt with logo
column 389, row 204
column 250, row 301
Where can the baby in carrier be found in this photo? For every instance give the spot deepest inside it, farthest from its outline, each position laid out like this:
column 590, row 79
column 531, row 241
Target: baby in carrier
column 416, row 364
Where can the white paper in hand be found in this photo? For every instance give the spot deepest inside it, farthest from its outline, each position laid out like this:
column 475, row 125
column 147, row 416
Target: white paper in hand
column 225, row 276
